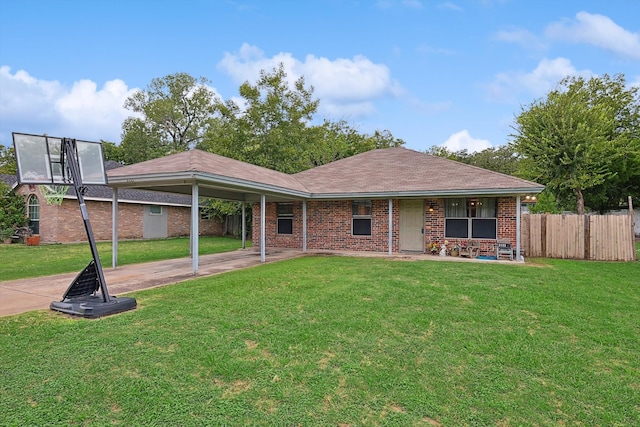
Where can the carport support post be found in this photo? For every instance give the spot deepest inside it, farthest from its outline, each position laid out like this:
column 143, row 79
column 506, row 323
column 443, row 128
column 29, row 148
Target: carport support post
column 114, row 229
column 304, row 226
column 194, row 227
column 390, row 227
column 518, row 227
column 263, row 207
column 244, row 224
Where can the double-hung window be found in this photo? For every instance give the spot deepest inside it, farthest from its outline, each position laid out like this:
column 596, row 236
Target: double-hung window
column 475, row 218
column 361, row 217
column 285, row 218
column 33, row 205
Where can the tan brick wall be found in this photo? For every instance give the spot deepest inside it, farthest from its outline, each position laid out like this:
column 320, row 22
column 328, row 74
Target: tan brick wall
column 64, row 224
column 329, row 225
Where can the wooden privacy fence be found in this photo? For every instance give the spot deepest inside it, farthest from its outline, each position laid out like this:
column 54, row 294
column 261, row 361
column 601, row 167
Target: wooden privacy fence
column 592, row 237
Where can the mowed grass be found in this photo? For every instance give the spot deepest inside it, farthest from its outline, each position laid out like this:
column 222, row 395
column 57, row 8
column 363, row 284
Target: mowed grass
column 321, row 341
column 21, row 261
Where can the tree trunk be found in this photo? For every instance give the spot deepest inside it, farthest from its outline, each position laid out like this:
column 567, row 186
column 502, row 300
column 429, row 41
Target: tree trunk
column 580, row 201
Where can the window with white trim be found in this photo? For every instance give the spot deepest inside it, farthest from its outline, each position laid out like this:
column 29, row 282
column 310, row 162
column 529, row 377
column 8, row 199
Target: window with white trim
column 33, row 210
column 155, row 210
column 361, row 217
column 285, row 218
column 473, row 218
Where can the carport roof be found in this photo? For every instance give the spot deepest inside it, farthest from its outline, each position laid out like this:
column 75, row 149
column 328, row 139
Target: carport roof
column 382, row 173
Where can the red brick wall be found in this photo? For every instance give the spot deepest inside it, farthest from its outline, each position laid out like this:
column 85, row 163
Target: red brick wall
column 434, row 224
column 329, row 226
column 64, row 224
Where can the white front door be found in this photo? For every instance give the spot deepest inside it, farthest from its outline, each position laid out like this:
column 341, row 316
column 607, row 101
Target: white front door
column 412, row 225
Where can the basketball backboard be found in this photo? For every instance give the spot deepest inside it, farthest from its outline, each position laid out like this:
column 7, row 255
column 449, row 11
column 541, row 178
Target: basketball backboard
column 41, row 160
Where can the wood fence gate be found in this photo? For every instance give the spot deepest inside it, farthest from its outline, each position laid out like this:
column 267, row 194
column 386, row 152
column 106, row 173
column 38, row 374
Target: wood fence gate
column 591, row 237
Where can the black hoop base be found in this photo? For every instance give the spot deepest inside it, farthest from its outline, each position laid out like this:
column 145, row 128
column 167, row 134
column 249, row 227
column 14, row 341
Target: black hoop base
column 94, row 306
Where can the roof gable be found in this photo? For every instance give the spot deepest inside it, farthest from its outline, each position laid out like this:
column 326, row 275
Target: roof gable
column 208, row 163
column 400, row 170
column 382, row 173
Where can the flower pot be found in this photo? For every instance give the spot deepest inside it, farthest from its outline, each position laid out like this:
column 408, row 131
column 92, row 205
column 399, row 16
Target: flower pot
column 455, row 252
column 33, row 240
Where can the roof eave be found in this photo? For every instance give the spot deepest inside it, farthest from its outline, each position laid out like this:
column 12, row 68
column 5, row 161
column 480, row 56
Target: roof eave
column 421, row 193
column 135, row 181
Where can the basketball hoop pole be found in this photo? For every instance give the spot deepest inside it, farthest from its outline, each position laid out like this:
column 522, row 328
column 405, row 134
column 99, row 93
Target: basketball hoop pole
column 69, row 150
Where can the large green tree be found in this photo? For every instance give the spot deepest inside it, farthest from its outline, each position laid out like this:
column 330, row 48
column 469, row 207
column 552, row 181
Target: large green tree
column 13, row 211
column 8, row 163
column 271, row 129
column 583, row 141
column 274, row 128
column 501, row 159
column 175, row 112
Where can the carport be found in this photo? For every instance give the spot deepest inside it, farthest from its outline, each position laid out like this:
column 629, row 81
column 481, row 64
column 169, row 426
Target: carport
column 203, row 174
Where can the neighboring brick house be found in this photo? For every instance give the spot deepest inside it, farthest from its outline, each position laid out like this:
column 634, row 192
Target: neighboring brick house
column 141, row 214
column 386, row 200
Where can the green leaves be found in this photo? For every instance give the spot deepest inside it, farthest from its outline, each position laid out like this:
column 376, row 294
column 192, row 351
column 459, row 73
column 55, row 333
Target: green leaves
column 13, row 211
column 175, row 111
column 582, row 141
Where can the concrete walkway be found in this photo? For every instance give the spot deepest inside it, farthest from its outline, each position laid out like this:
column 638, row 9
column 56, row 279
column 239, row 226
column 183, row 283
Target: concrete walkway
column 19, row 296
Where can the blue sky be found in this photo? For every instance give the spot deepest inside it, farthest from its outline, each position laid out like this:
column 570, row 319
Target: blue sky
column 441, row 72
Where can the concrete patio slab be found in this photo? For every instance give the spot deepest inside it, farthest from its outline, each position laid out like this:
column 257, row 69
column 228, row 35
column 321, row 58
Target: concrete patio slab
column 19, row 296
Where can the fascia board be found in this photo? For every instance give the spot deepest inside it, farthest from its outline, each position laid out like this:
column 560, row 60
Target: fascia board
column 204, row 179
column 259, row 188
column 417, row 194
column 127, row 201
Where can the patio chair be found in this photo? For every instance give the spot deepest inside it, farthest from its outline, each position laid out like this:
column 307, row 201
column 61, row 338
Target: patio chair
column 471, row 250
column 503, row 248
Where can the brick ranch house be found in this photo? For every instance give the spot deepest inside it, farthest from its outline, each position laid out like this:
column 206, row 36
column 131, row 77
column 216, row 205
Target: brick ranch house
column 386, row 200
column 141, row 214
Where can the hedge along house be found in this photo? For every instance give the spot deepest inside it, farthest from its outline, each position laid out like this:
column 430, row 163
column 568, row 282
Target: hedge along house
column 142, row 214
column 387, row 200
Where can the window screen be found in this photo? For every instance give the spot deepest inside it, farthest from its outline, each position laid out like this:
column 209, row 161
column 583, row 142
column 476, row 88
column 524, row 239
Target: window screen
column 361, row 217
column 285, row 218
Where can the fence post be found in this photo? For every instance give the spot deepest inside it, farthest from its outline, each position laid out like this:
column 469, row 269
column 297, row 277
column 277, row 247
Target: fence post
column 633, row 233
column 543, row 235
column 587, row 237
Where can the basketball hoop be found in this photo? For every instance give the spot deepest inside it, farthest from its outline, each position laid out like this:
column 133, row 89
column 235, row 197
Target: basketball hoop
column 53, row 194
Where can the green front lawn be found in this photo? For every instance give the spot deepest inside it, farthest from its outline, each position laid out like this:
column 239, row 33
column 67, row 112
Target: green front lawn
column 336, row 341
column 21, row 261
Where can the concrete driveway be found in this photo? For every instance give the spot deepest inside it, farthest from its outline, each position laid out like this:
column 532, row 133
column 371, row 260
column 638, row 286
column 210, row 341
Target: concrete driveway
column 19, row 296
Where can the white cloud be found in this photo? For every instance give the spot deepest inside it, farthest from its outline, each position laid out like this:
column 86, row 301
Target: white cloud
column 463, row 141
column 344, row 86
column 506, row 86
column 83, row 111
column 522, row 37
column 597, row 30
column 451, row 6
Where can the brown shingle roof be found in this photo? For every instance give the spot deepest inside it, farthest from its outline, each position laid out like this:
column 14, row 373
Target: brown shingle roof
column 209, row 163
column 401, row 170
column 392, row 171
